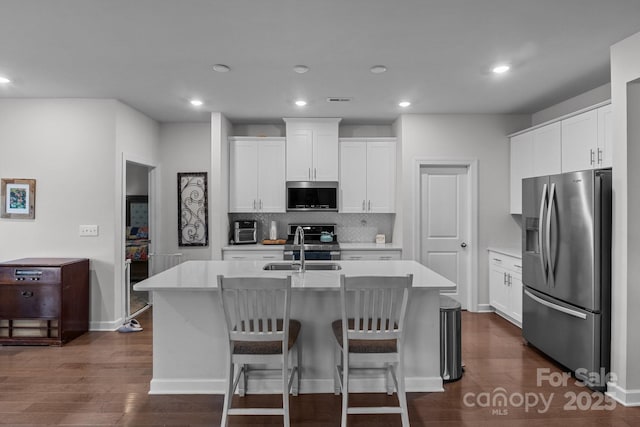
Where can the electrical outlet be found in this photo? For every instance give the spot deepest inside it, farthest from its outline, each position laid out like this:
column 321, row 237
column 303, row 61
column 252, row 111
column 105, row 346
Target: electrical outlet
column 88, row 230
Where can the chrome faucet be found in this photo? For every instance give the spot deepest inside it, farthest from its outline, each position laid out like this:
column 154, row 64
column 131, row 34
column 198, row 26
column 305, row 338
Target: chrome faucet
column 298, row 239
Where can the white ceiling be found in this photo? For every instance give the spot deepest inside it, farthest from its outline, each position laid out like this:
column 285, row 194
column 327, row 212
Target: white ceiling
column 155, row 55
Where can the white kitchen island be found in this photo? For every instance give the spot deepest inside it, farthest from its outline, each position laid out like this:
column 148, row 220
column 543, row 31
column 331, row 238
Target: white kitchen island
column 190, row 343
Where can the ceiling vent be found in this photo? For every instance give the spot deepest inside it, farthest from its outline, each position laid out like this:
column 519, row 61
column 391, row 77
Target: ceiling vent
column 338, row 99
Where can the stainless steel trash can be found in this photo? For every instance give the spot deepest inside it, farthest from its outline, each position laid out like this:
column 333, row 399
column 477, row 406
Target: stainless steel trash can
column 450, row 339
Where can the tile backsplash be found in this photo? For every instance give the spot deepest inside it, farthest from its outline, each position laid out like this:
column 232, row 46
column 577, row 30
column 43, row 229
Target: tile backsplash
column 351, row 228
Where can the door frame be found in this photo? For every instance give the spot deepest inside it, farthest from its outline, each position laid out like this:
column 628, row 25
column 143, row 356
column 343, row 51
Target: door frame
column 153, row 177
column 472, row 217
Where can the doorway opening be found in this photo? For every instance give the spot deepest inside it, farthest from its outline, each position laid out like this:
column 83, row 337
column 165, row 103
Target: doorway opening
column 137, row 236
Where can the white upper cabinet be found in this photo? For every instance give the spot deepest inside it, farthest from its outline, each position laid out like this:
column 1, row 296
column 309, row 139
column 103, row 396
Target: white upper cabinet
column 521, row 167
column 579, row 142
column 312, row 149
column 367, row 175
column 586, row 140
column 256, row 174
column 547, row 150
column 533, row 153
column 605, row 136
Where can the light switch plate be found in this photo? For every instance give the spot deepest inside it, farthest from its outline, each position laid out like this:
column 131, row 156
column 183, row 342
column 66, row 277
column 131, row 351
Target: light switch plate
column 88, row 230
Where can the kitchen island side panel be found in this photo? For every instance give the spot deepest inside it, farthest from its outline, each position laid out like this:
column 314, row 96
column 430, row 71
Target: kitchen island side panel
column 190, row 343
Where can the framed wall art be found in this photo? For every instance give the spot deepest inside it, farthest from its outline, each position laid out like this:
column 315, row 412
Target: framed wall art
column 18, row 198
column 192, row 209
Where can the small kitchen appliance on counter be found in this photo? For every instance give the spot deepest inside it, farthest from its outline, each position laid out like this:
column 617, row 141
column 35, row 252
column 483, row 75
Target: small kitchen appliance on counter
column 320, row 242
column 244, row 232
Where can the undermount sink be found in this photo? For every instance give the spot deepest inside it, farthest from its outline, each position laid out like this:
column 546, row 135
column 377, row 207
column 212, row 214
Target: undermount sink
column 286, row 266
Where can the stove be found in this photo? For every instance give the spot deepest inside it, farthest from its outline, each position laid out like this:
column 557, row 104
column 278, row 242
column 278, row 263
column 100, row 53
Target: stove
column 314, row 248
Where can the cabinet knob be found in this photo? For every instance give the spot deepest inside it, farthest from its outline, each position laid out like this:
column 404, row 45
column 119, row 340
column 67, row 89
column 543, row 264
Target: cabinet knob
column 463, row 245
column 27, row 294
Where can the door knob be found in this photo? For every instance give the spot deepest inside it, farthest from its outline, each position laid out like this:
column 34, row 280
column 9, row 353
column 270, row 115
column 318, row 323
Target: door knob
column 463, row 245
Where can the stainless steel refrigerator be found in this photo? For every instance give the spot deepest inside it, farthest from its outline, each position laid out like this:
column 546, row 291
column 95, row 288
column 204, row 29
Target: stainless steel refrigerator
column 566, row 271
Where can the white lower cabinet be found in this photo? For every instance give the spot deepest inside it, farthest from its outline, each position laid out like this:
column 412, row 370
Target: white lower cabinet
column 249, row 255
column 371, row 255
column 505, row 286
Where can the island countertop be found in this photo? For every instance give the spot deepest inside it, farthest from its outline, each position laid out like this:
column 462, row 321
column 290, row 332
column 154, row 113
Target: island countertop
column 201, row 275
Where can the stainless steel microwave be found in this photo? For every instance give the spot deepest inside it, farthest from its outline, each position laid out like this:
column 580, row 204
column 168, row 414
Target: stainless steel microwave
column 312, row 196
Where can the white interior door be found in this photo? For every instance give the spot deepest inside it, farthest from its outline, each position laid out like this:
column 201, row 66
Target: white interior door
column 444, row 225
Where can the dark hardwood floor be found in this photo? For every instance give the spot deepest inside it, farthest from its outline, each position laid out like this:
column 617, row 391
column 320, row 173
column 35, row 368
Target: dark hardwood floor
column 102, row 378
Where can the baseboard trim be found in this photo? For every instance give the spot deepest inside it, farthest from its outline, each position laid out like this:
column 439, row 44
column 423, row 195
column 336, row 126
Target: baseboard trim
column 484, row 308
column 274, row 385
column 622, row 396
column 186, row 386
column 105, row 326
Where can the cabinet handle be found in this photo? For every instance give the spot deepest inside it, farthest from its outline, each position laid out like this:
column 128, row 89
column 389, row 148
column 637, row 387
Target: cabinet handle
column 238, row 257
column 254, row 204
column 497, row 260
column 268, row 256
column 599, row 156
column 510, row 280
column 27, row 294
column 364, row 208
column 369, row 208
column 260, row 204
column 591, row 153
column 355, row 257
column 309, row 173
column 517, row 266
column 504, row 279
column 385, row 257
column 315, row 173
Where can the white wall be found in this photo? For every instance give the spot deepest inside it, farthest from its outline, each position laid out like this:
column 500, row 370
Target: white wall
column 275, row 129
column 136, row 140
column 184, row 147
column 584, row 100
column 347, row 131
column 67, row 145
column 625, row 353
column 482, row 137
column 137, row 179
column 219, row 189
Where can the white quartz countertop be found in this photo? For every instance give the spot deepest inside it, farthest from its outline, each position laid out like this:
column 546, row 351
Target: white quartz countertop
column 254, row 247
column 516, row 253
column 201, row 275
column 370, row 246
column 361, row 246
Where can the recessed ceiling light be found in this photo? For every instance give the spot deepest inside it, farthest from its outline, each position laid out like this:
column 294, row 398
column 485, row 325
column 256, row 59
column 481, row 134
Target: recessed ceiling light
column 404, row 104
column 300, row 69
column 4, row 80
column 301, row 103
column 196, row 102
column 377, row 69
column 499, row 69
column 221, row 68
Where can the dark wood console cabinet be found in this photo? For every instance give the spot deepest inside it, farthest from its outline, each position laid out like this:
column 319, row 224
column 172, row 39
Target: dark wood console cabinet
column 43, row 300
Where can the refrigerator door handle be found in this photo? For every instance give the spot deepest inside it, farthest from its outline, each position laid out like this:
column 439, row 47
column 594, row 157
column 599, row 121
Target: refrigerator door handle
column 550, row 264
column 555, row 306
column 543, row 261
